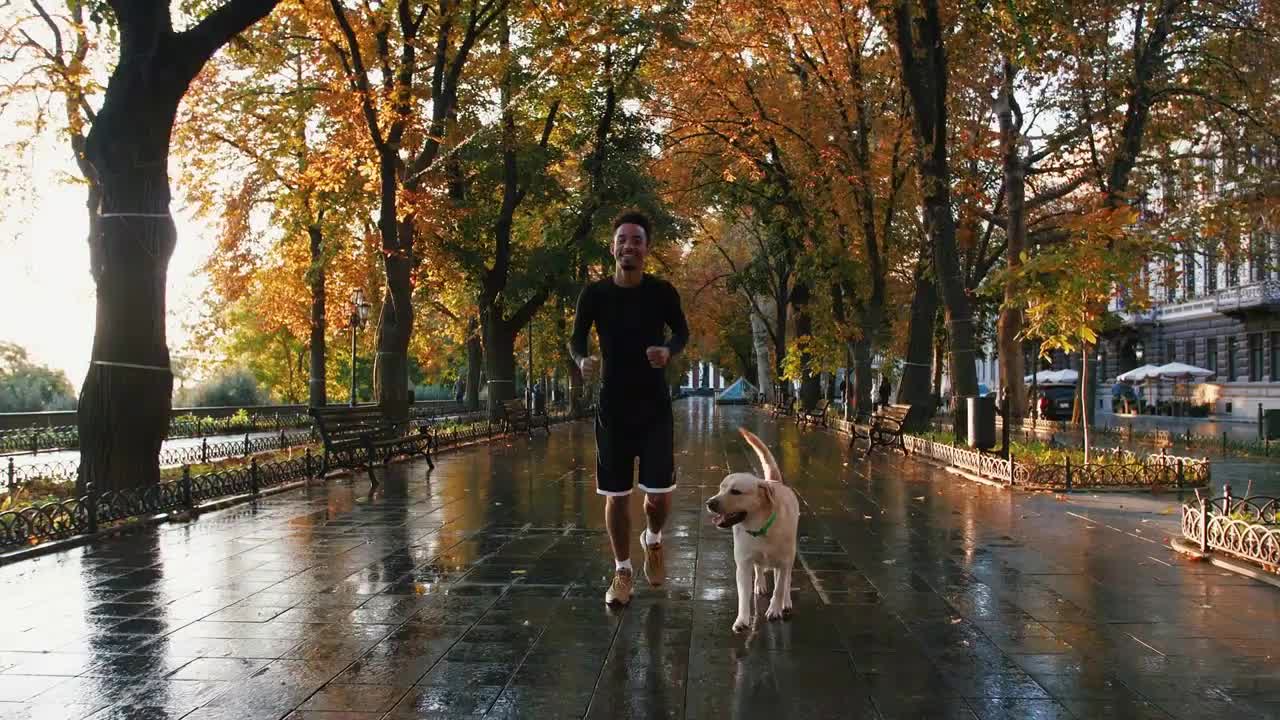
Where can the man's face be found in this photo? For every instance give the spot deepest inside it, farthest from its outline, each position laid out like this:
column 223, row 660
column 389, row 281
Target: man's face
column 630, row 246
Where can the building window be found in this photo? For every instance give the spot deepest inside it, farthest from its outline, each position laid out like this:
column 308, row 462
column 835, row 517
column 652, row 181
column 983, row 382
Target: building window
column 1189, row 352
column 1255, row 357
column 1275, row 356
column 1170, row 351
column 1211, row 355
column 1233, row 273
column 1231, row 358
column 1258, row 257
column 1210, row 272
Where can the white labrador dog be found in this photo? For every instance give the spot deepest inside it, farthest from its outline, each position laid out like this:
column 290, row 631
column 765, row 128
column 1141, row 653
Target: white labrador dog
column 764, row 514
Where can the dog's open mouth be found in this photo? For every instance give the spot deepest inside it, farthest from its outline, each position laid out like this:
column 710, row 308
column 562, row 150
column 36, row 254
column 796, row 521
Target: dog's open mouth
column 728, row 520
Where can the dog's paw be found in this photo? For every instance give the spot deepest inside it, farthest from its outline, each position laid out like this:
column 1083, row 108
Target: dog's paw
column 741, row 625
column 774, row 612
column 762, row 589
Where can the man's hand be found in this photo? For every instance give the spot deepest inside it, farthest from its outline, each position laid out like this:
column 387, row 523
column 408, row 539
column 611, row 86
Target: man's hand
column 658, row 356
column 589, row 367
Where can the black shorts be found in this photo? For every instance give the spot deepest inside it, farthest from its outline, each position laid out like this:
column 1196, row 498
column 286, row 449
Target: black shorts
column 619, row 443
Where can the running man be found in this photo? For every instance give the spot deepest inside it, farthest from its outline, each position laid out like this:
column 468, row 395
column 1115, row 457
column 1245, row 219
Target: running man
column 630, row 312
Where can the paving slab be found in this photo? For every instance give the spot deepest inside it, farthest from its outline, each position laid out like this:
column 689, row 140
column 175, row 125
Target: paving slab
column 477, row 589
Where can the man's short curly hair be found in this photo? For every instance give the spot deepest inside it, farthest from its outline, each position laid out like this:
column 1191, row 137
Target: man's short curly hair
column 634, row 217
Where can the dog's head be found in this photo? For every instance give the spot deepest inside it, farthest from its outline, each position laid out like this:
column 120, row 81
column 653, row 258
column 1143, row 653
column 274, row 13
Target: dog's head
column 741, row 495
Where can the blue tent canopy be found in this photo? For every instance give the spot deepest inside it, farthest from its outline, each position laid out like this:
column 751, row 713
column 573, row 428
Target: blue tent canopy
column 740, row 391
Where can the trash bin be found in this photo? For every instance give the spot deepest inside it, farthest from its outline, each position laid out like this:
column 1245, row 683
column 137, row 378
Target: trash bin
column 980, row 414
column 1271, row 424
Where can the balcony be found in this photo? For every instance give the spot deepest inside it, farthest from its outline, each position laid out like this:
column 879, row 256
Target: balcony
column 1257, row 296
column 1129, row 316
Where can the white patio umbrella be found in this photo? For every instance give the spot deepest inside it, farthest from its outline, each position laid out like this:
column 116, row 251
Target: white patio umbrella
column 1061, row 376
column 1049, row 377
column 1139, row 374
column 1180, row 371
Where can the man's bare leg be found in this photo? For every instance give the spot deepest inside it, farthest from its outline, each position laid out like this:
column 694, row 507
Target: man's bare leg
column 617, row 520
column 656, row 508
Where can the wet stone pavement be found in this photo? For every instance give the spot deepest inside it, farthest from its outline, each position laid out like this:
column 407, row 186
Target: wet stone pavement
column 477, row 589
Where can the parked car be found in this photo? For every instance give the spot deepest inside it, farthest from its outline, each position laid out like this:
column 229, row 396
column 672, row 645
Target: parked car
column 1054, row 402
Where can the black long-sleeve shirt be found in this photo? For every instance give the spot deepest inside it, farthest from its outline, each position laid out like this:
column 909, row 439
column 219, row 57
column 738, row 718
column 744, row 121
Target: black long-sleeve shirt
column 628, row 321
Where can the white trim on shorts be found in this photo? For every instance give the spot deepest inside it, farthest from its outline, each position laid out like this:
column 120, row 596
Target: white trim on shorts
column 611, row 493
column 657, row 491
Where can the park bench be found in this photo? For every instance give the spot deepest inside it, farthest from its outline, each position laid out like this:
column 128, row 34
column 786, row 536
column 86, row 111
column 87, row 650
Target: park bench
column 361, row 436
column 516, row 417
column 884, row 427
column 784, row 407
column 817, row 415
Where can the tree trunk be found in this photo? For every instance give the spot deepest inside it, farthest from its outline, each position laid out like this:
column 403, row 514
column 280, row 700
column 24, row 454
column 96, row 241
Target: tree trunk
column 317, row 396
column 861, row 393
column 871, row 316
column 123, row 413
column 124, row 405
column 475, row 360
column 760, row 343
column 810, row 383
column 920, row 44
column 780, row 340
column 939, row 361
column 914, row 386
column 1009, row 326
column 395, row 324
column 499, row 361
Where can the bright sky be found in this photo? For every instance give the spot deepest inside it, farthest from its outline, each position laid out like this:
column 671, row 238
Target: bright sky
column 46, row 291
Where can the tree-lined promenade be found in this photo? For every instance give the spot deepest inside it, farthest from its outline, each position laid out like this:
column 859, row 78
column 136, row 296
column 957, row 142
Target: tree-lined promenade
column 835, row 181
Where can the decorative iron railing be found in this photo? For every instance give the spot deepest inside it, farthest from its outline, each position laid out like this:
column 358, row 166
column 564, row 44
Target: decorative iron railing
column 1032, row 429
column 1155, row 471
column 1246, row 528
column 15, row 475
column 90, row 511
column 37, row 438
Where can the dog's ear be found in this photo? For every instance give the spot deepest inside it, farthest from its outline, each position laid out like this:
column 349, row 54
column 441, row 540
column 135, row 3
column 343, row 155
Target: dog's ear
column 766, row 492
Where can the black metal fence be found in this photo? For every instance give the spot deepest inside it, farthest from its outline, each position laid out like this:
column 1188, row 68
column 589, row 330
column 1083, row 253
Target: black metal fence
column 93, row 510
column 15, row 475
column 1112, row 471
column 38, row 438
column 1246, row 528
column 1223, row 443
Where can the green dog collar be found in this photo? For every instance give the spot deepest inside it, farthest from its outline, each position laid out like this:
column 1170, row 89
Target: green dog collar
column 764, row 528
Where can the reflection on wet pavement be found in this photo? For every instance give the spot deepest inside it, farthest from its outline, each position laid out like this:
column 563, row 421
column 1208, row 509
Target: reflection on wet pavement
column 477, row 589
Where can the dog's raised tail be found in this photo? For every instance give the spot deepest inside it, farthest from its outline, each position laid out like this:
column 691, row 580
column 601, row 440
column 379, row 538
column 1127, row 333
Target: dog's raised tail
column 771, row 471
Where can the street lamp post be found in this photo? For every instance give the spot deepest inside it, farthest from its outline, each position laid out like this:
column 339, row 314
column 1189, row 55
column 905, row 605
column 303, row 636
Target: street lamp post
column 359, row 316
